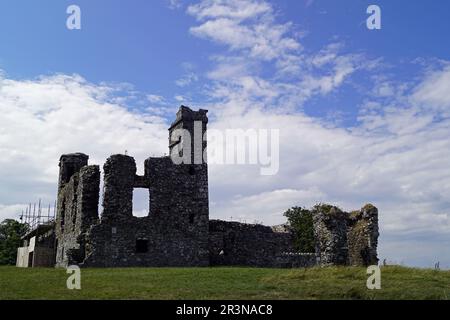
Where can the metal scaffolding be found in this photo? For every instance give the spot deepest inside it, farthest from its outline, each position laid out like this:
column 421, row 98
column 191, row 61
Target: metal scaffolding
column 35, row 216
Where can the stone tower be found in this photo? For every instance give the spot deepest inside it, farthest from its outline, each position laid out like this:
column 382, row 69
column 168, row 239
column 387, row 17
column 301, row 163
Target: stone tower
column 77, row 206
column 175, row 231
column 187, row 136
column 70, row 164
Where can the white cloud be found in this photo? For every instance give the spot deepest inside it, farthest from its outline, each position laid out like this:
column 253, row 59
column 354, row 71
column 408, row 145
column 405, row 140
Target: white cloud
column 232, row 9
column 153, row 98
column 328, row 69
column 189, row 76
column 230, row 68
column 367, row 164
column 403, row 172
column 187, row 79
column 309, row 3
column 175, row 4
column 11, row 211
column 243, row 25
column 44, row 118
column 179, row 98
column 434, row 91
column 257, row 43
column 267, row 204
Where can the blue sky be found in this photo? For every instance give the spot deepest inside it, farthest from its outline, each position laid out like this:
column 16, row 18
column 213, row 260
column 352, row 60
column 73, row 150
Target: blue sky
column 148, row 44
column 145, row 43
column 364, row 115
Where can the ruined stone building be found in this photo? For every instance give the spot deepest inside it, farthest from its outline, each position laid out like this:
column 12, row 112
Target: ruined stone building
column 177, row 230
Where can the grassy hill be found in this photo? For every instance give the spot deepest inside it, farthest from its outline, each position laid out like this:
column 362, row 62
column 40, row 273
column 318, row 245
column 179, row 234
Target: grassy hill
column 224, row 283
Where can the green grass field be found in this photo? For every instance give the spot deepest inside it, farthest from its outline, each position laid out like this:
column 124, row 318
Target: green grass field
column 224, row 283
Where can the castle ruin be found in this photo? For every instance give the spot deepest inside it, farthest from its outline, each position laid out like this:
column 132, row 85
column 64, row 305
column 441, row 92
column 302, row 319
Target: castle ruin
column 177, row 231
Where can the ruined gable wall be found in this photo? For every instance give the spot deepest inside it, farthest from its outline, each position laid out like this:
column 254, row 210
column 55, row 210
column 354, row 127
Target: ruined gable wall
column 66, row 232
column 176, row 230
column 175, row 233
column 330, row 232
column 77, row 207
column 363, row 236
column 119, row 178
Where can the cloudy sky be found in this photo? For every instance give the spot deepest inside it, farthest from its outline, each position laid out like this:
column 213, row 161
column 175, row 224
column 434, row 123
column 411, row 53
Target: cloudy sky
column 364, row 115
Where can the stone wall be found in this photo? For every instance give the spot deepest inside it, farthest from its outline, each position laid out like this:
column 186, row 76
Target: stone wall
column 175, row 232
column 38, row 248
column 238, row 244
column 43, row 257
column 77, row 207
column 330, row 233
column 119, row 176
column 346, row 238
column 363, row 236
column 115, row 244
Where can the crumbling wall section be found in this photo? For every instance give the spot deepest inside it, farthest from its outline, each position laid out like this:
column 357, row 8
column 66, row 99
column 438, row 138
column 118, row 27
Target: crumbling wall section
column 119, row 178
column 77, row 207
column 346, row 238
column 238, row 244
column 66, row 232
column 363, row 236
column 330, row 233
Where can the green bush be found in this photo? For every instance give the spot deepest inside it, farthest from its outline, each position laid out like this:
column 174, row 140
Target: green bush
column 301, row 221
column 10, row 233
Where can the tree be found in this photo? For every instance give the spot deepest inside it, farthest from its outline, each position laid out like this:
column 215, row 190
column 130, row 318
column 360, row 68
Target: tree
column 301, row 221
column 10, row 233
